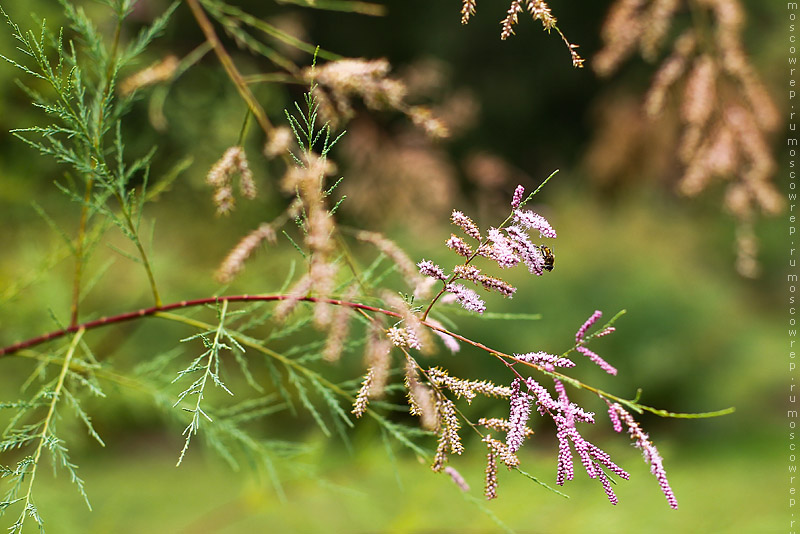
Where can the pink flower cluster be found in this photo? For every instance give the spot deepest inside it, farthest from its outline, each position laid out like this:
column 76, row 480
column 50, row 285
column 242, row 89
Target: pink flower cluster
column 505, row 246
column 566, row 415
column 509, row 246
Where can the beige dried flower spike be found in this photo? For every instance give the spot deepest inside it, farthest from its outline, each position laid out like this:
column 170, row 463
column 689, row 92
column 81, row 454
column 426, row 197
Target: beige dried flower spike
column 279, row 141
column 726, row 113
column 447, row 427
column 338, row 82
column 234, row 262
column 467, row 10
column 339, row 328
column 159, row 71
column 538, row 10
column 378, row 357
column 220, row 177
column 420, row 397
column 405, row 266
column 362, row 399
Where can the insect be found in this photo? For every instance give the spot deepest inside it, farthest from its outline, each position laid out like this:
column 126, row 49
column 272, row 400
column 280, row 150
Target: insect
column 549, row 258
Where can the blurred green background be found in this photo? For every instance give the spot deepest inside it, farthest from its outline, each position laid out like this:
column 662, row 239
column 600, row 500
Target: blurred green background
column 696, row 336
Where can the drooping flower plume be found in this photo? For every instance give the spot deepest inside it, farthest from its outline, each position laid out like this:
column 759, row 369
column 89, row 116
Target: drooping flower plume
column 651, row 455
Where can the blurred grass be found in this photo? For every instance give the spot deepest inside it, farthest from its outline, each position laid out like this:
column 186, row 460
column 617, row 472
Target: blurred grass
column 727, row 490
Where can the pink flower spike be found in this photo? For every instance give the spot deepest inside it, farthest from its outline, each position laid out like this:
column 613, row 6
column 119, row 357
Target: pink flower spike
column 529, row 219
column 543, row 399
column 457, row 478
column 603, row 458
column 600, row 362
column 565, row 471
column 428, row 268
column 518, row 192
column 657, row 468
column 466, row 224
column 518, row 418
column 576, row 413
column 651, row 455
column 612, row 497
column 589, row 322
column 459, row 246
column 542, row 358
column 614, row 417
column 605, row 331
column 561, row 390
column 448, row 340
column 501, row 250
column 530, row 253
column 468, row 299
column 583, row 448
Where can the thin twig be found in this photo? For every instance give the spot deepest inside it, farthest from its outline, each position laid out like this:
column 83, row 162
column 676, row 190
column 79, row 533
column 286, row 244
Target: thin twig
column 227, row 63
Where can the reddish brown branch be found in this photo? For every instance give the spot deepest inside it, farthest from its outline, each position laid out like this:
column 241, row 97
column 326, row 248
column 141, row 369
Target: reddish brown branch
column 508, row 360
column 144, row 312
